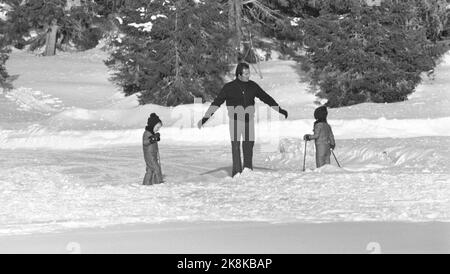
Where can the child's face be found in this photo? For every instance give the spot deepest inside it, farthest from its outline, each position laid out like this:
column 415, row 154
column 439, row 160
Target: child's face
column 157, row 127
column 245, row 77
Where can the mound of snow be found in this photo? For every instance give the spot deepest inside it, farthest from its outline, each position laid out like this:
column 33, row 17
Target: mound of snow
column 79, row 129
column 423, row 154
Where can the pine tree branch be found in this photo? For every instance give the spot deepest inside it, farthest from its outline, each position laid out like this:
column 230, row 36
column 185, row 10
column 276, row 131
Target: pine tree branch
column 261, row 10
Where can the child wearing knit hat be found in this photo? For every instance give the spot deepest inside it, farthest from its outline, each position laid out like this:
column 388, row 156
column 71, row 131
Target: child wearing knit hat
column 323, row 137
column 150, row 140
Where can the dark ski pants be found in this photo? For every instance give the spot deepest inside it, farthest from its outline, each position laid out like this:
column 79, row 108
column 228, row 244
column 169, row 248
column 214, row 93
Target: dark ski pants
column 247, row 147
column 242, row 130
column 152, row 176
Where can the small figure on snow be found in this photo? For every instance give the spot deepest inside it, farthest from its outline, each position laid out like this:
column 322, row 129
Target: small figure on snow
column 150, row 141
column 323, row 136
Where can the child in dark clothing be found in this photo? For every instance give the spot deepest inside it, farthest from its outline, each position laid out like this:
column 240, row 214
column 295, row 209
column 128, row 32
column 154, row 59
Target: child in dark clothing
column 323, row 136
column 150, row 141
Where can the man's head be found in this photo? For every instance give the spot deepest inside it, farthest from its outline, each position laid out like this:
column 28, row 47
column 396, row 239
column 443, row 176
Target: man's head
column 243, row 72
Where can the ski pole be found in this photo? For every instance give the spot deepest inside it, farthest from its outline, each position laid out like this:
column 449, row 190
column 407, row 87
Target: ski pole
column 335, row 158
column 304, row 157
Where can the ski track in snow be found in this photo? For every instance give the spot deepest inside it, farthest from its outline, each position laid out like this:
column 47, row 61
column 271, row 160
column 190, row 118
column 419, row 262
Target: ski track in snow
column 31, row 100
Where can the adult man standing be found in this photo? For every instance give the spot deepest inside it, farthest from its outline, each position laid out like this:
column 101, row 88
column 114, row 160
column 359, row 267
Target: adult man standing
column 239, row 95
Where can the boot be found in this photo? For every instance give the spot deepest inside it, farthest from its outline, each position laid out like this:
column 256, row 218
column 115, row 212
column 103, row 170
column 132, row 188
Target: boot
column 247, row 147
column 236, row 152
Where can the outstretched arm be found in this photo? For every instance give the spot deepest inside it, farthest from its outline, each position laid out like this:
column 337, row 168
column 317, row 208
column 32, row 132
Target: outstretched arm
column 268, row 100
column 215, row 105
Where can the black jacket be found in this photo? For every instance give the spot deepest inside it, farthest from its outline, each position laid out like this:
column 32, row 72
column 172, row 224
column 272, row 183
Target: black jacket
column 238, row 93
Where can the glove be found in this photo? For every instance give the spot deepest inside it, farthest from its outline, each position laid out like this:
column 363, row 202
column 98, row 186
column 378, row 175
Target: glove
column 284, row 112
column 307, row 137
column 332, row 146
column 155, row 138
column 202, row 122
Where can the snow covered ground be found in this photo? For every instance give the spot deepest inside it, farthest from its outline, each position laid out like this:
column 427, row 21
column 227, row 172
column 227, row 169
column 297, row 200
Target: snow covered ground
column 71, row 158
column 240, row 238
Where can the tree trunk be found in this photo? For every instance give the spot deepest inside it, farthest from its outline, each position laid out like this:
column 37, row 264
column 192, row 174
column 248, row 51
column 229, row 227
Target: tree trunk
column 235, row 25
column 238, row 4
column 177, row 53
column 50, row 40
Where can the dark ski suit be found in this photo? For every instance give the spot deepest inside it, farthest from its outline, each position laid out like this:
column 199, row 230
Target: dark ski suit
column 153, row 173
column 240, row 101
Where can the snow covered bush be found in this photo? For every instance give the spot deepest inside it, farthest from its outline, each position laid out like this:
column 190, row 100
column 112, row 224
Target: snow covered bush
column 171, row 51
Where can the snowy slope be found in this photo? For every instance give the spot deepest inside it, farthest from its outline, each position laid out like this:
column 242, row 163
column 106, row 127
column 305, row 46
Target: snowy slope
column 71, row 156
column 71, row 97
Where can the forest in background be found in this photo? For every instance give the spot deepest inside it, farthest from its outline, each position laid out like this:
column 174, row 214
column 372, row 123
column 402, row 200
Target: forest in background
column 172, row 51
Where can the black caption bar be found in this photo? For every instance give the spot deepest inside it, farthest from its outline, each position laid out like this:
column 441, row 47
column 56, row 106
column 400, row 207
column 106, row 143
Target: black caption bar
column 218, row 263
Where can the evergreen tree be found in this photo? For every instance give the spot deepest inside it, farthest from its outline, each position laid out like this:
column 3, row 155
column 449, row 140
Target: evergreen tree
column 251, row 22
column 5, row 81
column 4, row 77
column 361, row 54
column 434, row 15
column 171, row 51
column 56, row 23
column 108, row 7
